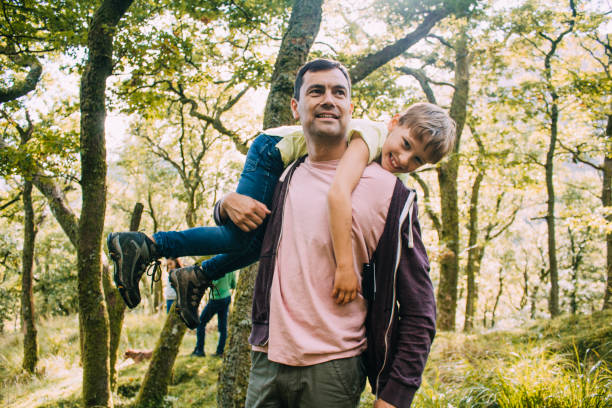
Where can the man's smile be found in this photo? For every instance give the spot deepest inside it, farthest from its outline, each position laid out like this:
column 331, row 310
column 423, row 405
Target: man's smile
column 326, row 116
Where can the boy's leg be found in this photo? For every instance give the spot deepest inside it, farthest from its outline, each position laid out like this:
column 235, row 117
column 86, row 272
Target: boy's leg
column 222, row 323
column 260, row 175
column 262, row 168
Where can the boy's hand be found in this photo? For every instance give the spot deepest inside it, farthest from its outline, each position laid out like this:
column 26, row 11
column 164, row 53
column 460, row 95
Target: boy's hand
column 346, row 286
column 245, row 212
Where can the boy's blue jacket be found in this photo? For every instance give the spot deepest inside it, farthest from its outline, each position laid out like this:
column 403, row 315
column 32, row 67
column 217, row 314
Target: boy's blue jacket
column 401, row 319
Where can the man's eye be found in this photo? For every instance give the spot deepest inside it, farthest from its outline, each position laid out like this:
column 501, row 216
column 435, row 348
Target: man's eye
column 341, row 92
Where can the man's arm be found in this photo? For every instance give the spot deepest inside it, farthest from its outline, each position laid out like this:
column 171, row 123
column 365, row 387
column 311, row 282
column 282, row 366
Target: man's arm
column 245, row 212
column 416, row 324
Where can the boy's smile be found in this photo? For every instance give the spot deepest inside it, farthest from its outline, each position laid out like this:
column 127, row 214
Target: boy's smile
column 402, row 151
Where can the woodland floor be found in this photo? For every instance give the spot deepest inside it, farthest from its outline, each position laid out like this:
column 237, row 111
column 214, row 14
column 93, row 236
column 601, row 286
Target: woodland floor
column 561, row 363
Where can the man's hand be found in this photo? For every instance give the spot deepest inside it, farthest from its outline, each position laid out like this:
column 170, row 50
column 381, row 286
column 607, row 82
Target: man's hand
column 346, row 285
column 245, row 212
column 382, row 404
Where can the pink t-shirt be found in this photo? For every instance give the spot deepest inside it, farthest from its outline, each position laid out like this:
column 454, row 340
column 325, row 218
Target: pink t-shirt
column 306, row 326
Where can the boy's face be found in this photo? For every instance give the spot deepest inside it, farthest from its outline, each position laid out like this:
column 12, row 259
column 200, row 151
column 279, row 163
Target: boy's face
column 402, row 152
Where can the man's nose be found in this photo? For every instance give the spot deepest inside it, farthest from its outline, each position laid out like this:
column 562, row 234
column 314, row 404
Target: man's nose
column 328, row 98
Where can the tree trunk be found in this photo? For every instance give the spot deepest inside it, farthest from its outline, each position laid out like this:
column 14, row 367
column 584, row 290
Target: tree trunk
column 553, row 299
column 30, row 347
column 297, row 40
column 93, row 315
column 447, row 178
column 607, row 202
column 155, row 384
column 115, row 305
column 498, row 297
column 300, row 35
column 473, row 263
column 233, row 378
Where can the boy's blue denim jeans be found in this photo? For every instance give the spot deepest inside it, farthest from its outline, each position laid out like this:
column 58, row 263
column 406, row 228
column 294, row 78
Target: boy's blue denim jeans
column 262, row 169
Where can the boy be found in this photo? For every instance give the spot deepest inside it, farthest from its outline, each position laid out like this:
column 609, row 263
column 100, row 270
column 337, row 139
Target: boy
column 423, row 134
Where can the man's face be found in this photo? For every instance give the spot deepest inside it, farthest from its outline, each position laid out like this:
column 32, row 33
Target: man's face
column 402, row 152
column 324, row 108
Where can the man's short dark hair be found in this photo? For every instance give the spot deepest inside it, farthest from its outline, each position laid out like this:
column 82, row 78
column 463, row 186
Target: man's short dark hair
column 319, row 64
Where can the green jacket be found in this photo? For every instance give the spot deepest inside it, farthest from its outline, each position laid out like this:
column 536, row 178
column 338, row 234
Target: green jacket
column 223, row 285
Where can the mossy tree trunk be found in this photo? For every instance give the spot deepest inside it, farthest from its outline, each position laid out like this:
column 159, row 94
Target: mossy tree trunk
column 30, row 346
column 300, row 35
column 159, row 373
column 607, row 202
column 553, row 115
column 474, row 256
column 155, row 384
column 93, row 315
column 303, row 27
column 447, row 178
column 115, row 305
column 234, row 377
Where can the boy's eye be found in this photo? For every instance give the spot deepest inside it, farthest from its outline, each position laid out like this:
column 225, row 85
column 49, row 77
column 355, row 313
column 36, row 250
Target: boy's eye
column 406, row 144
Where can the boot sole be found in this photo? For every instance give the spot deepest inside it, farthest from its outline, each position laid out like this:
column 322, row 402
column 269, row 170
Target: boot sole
column 116, row 258
column 177, row 308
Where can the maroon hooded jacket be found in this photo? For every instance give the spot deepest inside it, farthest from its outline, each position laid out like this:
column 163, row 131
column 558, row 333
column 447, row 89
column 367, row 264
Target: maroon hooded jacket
column 400, row 323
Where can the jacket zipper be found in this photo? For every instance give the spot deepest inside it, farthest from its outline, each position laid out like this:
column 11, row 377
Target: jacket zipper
column 280, row 234
column 407, row 210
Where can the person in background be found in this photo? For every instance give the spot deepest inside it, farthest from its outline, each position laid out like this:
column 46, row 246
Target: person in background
column 220, row 299
column 169, row 292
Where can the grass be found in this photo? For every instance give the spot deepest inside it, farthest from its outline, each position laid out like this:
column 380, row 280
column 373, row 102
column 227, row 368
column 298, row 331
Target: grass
column 560, row 363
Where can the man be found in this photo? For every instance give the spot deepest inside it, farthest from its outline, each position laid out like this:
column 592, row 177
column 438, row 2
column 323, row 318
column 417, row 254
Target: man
column 309, row 351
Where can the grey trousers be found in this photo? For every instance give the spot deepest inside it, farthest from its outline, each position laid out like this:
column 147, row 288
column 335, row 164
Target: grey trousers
column 336, row 383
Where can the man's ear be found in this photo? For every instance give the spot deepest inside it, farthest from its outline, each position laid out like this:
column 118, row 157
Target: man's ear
column 393, row 122
column 352, row 108
column 294, row 109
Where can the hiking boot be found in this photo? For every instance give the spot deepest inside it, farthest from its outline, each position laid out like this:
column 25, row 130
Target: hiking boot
column 132, row 253
column 190, row 284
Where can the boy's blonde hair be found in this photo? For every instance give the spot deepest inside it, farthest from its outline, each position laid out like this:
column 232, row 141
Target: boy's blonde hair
column 431, row 125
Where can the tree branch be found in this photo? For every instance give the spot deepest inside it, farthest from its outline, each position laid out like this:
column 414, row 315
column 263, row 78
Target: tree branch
column 370, row 63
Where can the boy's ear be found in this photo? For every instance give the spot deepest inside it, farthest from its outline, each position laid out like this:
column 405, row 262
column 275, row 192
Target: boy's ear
column 393, row 122
column 294, row 109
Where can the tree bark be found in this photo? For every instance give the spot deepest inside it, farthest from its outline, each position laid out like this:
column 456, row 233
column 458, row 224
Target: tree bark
column 474, row 256
column 295, row 46
column 447, row 178
column 372, row 62
column 93, row 315
column 64, row 215
column 233, row 378
column 607, row 202
column 298, row 39
column 115, row 305
column 155, row 384
column 30, row 346
column 553, row 299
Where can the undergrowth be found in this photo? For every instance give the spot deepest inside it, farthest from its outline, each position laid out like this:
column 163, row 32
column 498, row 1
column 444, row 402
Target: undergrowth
column 562, row 363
